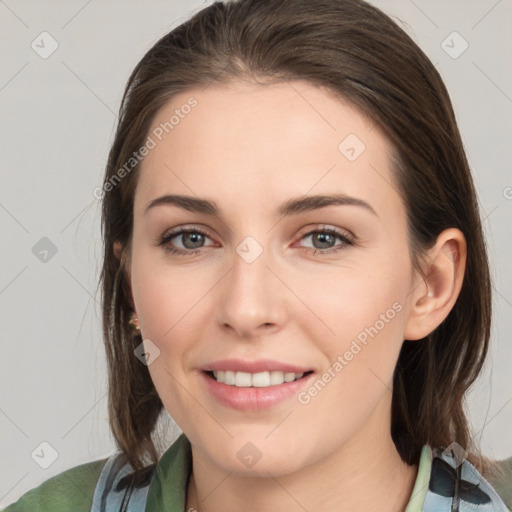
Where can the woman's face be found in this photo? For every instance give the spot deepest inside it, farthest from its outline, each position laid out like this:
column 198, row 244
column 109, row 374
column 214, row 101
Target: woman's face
column 298, row 304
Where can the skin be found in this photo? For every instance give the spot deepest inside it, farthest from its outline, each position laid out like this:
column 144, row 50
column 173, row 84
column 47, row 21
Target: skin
column 249, row 148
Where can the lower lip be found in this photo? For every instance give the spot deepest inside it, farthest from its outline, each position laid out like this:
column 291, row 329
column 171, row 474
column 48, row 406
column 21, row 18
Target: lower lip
column 251, row 398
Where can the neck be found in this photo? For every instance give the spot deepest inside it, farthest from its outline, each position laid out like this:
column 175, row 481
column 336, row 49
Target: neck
column 365, row 473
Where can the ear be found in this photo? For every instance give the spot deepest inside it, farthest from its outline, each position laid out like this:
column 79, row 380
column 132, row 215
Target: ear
column 122, row 255
column 431, row 302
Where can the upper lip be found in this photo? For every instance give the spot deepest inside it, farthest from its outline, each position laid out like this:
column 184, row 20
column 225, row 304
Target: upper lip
column 261, row 365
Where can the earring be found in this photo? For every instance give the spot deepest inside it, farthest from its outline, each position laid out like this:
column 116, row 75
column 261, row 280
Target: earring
column 134, row 322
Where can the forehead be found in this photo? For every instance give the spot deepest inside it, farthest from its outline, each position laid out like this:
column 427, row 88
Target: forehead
column 252, row 145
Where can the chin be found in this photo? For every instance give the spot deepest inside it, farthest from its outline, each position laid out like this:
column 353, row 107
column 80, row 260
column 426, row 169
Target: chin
column 257, row 458
column 277, row 466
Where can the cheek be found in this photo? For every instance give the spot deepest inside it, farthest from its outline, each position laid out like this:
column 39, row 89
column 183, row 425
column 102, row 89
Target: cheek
column 360, row 357
column 164, row 294
column 169, row 308
column 359, row 321
column 347, row 301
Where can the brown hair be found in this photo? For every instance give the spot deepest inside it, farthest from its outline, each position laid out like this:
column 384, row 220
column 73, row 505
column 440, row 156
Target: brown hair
column 356, row 51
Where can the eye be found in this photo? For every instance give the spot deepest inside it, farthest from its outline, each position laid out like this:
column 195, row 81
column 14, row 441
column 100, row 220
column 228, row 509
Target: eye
column 192, row 240
column 325, row 238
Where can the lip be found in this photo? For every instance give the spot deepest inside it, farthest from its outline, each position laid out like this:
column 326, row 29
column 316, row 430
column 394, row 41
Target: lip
column 261, row 365
column 253, row 398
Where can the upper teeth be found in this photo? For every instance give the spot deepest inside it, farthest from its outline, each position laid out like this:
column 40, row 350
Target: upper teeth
column 257, row 380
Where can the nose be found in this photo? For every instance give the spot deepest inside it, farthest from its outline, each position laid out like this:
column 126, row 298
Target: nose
column 252, row 300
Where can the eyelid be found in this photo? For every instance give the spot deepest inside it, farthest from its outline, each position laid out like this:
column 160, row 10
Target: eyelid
column 180, row 230
column 326, row 227
column 347, row 240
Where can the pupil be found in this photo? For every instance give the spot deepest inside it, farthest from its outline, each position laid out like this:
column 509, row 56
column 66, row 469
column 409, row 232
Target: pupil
column 193, row 235
column 323, row 235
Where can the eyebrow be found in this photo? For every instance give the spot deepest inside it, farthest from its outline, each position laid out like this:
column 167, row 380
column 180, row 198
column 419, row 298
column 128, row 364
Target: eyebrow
column 290, row 207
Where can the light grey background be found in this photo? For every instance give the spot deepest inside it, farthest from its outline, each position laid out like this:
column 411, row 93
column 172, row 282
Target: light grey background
column 57, row 121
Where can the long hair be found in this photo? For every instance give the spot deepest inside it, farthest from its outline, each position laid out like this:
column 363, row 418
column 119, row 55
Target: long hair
column 357, row 52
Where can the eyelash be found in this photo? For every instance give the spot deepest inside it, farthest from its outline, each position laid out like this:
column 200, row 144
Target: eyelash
column 165, row 239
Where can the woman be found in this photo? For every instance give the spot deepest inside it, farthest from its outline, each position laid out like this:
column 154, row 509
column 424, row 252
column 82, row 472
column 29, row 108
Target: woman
column 294, row 270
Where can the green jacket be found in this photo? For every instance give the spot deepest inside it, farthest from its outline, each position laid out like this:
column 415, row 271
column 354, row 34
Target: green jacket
column 74, row 489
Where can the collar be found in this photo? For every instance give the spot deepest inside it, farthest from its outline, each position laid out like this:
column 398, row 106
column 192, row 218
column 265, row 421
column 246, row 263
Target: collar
column 168, row 489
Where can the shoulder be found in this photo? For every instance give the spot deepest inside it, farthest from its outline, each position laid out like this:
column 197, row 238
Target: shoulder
column 454, row 481
column 72, row 489
column 501, row 479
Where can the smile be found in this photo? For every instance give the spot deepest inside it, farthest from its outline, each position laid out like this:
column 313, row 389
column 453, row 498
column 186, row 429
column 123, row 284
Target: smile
column 257, row 380
column 255, row 390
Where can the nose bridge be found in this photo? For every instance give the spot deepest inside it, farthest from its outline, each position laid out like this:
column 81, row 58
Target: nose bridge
column 251, row 297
